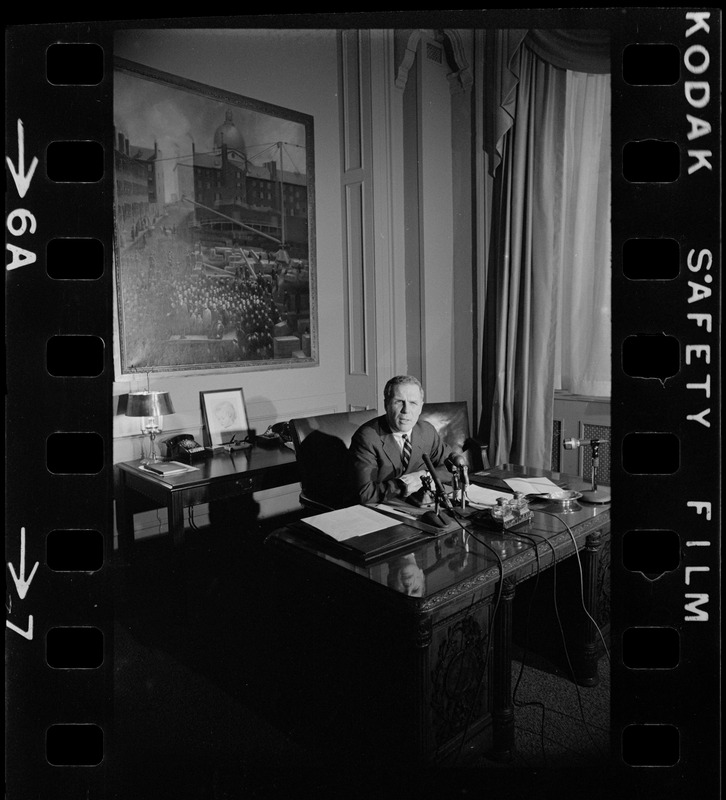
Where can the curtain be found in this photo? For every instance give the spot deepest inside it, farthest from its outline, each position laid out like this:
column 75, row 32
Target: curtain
column 501, row 76
column 524, row 281
column 547, row 136
column 577, row 50
column 583, row 365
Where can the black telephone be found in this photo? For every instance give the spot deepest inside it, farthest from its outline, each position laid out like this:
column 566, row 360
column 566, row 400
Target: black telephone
column 183, row 448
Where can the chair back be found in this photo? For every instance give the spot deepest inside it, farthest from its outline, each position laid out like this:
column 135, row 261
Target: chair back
column 321, row 446
column 451, row 421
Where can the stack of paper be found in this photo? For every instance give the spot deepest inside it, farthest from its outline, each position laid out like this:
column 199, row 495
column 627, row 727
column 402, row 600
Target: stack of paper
column 532, row 485
column 345, row 523
column 481, row 496
column 167, row 468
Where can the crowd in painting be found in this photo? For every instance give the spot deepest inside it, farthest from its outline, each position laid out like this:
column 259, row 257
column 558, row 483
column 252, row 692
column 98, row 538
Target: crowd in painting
column 169, row 303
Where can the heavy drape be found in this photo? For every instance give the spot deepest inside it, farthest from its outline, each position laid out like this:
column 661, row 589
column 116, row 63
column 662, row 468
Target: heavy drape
column 543, row 135
column 523, row 285
column 577, row 50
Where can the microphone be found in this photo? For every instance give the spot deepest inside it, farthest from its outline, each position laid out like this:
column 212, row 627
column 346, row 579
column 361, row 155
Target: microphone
column 437, row 482
column 459, row 462
column 593, row 495
column 573, row 444
column 464, row 470
column 455, row 460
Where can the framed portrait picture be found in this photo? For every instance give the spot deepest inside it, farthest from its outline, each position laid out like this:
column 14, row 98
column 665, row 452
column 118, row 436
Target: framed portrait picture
column 214, row 251
column 225, row 417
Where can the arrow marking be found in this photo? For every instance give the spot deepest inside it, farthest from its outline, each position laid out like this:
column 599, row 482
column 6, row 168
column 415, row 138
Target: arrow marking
column 26, row 634
column 21, row 178
column 21, row 584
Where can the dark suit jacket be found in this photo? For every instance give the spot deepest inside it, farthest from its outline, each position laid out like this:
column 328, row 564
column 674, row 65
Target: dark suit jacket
column 376, row 457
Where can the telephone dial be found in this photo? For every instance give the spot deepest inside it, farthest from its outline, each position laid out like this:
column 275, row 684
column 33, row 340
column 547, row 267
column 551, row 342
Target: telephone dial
column 183, row 448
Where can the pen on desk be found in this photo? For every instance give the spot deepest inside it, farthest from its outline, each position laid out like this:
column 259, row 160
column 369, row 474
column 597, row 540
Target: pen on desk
column 396, row 511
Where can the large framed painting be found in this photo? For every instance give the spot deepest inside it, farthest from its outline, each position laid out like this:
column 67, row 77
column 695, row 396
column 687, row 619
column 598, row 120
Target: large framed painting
column 214, row 251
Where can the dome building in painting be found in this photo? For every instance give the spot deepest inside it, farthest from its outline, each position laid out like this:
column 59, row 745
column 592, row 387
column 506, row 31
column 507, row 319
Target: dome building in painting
column 229, row 188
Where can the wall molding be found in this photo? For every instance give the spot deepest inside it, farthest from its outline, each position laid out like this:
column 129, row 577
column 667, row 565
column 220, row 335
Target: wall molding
column 409, row 56
column 460, row 77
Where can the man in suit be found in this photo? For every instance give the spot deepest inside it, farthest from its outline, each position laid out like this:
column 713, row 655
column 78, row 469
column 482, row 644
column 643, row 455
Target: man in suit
column 387, row 452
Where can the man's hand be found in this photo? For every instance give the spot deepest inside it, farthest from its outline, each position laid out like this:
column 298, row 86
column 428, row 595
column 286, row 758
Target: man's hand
column 411, row 482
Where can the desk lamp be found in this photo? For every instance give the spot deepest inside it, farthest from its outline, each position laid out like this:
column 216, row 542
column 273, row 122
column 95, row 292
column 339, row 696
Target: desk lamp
column 593, row 495
column 151, row 407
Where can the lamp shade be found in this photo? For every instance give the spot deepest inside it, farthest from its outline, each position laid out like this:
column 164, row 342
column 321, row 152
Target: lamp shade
column 149, row 404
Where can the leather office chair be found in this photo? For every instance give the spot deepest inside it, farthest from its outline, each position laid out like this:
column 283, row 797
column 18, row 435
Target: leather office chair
column 451, row 421
column 321, row 445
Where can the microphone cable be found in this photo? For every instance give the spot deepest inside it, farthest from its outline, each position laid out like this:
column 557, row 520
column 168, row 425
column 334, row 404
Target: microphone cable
column 532, row 538
column 525, row 653
column 582, row 579
column 561, row 628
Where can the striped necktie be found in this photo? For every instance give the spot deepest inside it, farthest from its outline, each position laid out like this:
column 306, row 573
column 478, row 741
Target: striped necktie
column 406, row 454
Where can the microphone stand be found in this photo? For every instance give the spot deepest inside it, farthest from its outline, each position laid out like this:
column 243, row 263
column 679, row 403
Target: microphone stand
column 439, row 493
column 455, row 485
column 595, row 495
column 464, row 482
column 441, row 501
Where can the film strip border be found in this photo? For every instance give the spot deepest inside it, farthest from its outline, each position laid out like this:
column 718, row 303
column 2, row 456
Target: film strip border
column 665, row 451
column 666, row 398
column 59, row 487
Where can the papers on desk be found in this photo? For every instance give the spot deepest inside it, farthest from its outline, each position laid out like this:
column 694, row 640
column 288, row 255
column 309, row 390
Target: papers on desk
column 167, row 468
column 532, row 485
column 346, row 523
column 482, row 496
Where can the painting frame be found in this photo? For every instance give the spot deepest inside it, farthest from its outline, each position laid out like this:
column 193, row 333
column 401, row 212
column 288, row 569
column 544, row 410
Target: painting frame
column 214, row 228
column 225, row 417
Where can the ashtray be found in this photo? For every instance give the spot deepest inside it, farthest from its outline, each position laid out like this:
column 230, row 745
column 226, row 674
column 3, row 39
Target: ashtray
column 564, row 497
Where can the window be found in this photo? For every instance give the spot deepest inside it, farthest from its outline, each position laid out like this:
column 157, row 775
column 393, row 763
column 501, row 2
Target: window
column 583, row 353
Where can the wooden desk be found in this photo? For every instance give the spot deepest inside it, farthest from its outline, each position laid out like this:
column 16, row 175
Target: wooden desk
column 219, row 477
column 417, row 674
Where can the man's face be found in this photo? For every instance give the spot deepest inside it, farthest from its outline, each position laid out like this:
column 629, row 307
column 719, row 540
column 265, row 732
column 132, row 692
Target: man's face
column 404, row 407
column 411, row 578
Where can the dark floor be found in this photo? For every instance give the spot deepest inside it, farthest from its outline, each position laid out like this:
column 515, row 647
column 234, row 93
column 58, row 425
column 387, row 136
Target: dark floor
column 199, row 711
